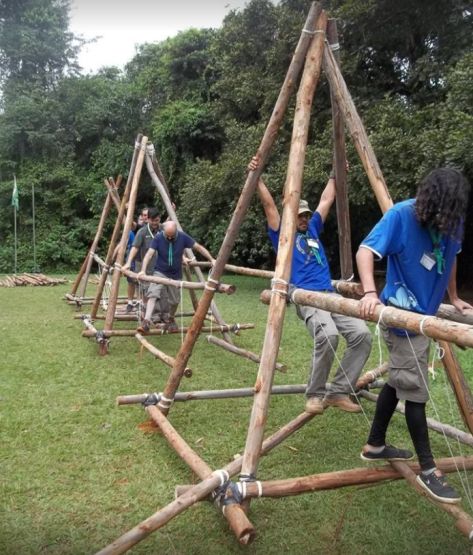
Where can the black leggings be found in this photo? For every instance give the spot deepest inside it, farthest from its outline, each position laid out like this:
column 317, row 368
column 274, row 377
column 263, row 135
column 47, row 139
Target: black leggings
column 416, row 423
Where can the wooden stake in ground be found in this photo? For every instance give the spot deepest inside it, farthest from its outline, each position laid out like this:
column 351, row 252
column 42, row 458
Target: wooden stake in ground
column 277, row 307
column 240, row 210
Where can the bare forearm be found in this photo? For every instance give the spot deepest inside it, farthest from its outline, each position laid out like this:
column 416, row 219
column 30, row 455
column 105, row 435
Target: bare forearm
column 365, row 264
column 148, row 256
column 452, row 283
column 203, row 251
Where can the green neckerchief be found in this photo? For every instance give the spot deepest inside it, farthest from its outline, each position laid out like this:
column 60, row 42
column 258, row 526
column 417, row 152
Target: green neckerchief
column 436, row 237
column 313, row 250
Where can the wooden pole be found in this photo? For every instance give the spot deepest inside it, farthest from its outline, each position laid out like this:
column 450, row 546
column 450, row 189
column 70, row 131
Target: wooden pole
column 339, row 479
column 277, row 307
column 130, row 209
column 461, row 387
column 163, row 357
column 222, row 287
column 117, row 228
column 255, row 272
column 435, row 425
column 430, row 326
column 196, row 493
column 242, row 206
column 236, row 517
column 340, row 167
column 241, row 352
column 370, row 376
column 90, row 257
column 152, row 165
column 183, row 396
column 357, row 131
column 205, row 329
column 353, row 290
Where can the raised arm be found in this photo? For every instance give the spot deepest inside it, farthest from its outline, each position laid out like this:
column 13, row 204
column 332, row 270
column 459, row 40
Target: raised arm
column 326, row 199
column 269, row 206
column 458, row 303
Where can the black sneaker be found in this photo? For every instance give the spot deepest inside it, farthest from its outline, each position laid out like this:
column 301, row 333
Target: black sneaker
column 129, row 308
column 437, row 487
column 389, row 453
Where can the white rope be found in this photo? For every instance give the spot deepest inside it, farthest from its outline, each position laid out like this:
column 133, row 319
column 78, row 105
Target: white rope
column 377, row 333
column 242, row 489
column 274, row 289
column 260, row 488
column 437, row 416
column 421, row 325
column 223, row 475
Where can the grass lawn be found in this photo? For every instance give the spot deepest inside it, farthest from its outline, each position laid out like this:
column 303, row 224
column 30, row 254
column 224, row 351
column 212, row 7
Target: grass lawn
column 76, row 472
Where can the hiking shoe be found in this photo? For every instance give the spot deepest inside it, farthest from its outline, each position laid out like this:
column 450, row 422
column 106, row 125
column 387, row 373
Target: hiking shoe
column 389, row 453
column 343, row 402
column 437, row 487
column 129, row 308
column 144, row 328
column 314, row 405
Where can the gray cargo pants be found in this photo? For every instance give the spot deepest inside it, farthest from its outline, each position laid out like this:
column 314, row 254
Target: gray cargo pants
column 325, row 328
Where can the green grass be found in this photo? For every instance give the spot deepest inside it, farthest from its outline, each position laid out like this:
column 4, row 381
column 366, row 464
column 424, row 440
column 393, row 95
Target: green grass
column 76, row 472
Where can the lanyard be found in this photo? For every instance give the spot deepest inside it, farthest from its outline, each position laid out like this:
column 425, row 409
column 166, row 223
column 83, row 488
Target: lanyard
column 151, row 233
column 436, row 238
column 313, row 250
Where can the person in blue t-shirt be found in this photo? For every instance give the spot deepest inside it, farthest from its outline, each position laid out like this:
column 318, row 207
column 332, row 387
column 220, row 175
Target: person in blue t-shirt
column 421, row 238
column 168, row 246
column 310, row 270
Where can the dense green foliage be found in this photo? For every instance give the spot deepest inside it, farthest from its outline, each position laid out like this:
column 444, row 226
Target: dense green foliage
column 204, row 97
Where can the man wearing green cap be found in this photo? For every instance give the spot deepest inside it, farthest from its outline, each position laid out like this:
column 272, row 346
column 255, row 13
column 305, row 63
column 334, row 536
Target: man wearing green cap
column 310, row 271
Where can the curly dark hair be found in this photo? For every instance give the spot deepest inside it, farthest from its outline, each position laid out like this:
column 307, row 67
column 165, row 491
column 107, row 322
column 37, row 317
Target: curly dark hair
column 442, row 200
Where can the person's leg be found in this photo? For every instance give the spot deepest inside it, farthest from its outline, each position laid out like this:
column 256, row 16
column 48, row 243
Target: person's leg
column 130, row 289
column 417, row 425
column 173, row 297
column 358, row 338
column 153, row 295
column 324, row 335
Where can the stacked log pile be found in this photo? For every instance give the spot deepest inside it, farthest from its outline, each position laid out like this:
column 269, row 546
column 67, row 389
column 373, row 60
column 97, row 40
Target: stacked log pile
column 29, row 279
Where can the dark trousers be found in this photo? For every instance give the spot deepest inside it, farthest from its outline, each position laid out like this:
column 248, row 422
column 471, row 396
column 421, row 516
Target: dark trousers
column 416, row 423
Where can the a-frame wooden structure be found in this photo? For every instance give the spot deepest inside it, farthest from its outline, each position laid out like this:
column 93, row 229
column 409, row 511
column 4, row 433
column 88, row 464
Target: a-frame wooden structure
column 233, row 498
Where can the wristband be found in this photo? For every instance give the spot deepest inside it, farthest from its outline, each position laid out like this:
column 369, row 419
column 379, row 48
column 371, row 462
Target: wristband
column 367, row 292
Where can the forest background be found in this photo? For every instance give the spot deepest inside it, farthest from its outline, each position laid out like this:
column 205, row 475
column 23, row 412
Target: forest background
column 203, row 98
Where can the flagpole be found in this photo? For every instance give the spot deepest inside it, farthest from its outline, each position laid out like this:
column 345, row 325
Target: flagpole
column 35, row 269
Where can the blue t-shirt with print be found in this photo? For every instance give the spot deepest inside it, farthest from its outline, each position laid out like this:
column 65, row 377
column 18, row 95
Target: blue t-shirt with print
column 309, row 268
column 412, row 280
column 169, row 257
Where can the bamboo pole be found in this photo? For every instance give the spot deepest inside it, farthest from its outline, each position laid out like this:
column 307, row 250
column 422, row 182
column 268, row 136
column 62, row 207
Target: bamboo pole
column 277, row 307
column 435, row 425
column 206, row 329
column 357, row 131
column 183, row 396
column 222, row 287
column 163, row 357
column 117, row 228
column 130, row 208
column 430, row 326
column 153, row 167
column 236, row 517
column 241, row 352
column 340, row 167
column 336, row 480
column 196, row 493
column 463, row 521
column 242, row 206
